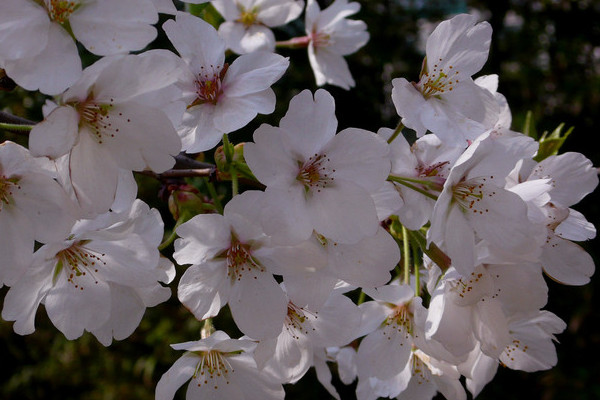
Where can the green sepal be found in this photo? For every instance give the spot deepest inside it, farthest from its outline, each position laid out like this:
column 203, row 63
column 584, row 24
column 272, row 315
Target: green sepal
column 551, row 144
column 529, row 126
column 207, row 12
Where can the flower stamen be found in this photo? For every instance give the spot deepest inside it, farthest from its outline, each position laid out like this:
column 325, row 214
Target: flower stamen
column 79, row 262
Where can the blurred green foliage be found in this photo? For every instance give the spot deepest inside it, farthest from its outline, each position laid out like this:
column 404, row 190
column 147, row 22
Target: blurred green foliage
column 547, row 54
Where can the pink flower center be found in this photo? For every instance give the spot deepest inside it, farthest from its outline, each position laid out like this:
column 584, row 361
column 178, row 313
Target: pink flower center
column 209, row 86
column 314, row 173
column 320, row 39
column 239, row 260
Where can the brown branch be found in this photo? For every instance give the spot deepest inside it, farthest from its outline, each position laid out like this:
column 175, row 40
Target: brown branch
column 13, row 119
column 178, row 173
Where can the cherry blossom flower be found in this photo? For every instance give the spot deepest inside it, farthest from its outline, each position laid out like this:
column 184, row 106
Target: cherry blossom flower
column 38, row 51
column 32, row 207
column 572, row 176
column 247, row 22
column 331, row 37
column 313, row 268
column 105, row 124
column 100, row 278
column 446, row 101
column 428, row 160
column 532, row 348
column 225, row 253
column 384, row 352
column 288, row 356
column 317, row 180
column 219, row 368
column 475, row 205
column 220, row 98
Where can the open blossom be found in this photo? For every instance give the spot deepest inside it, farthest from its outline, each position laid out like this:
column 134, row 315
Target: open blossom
column 33, row 207
column 38, row 51
column 105, row 124
column 100, row 278
column 475, row 205
column 571, row 177
column 218, row 367
column 428, row 160
column 317, row 180
column 247, row 22
column 225, row 253
column 288, row 356
column 220, row 98
column 332, row 36
column 446, row 101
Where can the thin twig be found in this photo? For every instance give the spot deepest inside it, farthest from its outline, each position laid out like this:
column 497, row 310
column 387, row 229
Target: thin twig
column 13, row 119
column 178, row 173
column 183, row 161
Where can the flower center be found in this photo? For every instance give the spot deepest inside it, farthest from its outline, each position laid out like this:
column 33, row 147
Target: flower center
column 213, row 365
column 469, row 193
column 464, row 287
column 239, row 260
column 420, row 371
column 209, row 85
column 97, row 117
column 320, row 39
column 7, row 188
column 79, row 262
column 398, row 322
column 314, row 173
column 295, row 319
column 247, row 17
column 555, row 215
column 438, row 81
column 60, row 10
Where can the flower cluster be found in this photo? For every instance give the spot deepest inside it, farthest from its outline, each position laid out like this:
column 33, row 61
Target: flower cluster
column 412, row 265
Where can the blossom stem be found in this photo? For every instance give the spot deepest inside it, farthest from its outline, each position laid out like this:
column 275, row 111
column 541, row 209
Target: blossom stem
column 16, row 128
column 397, row 131
column 213, row 194
column 406, row 255
column 433, row 251
column 405, row 182
column 179, row 173
column 186, row 216
column 234, row 181
column 295, row 43
column 167, row 242
column 416, row 258
column 361, row 298
column 207, row 328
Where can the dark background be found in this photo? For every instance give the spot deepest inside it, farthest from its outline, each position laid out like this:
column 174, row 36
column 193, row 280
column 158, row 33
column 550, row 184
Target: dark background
column 547, row 54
